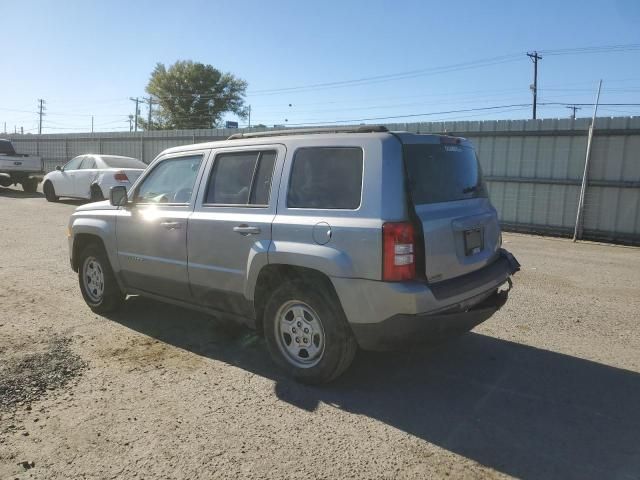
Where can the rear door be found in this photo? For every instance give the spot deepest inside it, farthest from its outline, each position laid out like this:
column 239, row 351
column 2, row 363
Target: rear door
column 460, row 226
column 230, row 229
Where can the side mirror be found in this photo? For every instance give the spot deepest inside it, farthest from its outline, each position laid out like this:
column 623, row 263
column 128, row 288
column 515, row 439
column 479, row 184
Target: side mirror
column 118, row 196
column 59, row 168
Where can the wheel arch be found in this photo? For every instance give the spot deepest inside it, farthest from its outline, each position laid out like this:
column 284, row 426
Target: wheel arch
column 273, row 275
column 80, row 242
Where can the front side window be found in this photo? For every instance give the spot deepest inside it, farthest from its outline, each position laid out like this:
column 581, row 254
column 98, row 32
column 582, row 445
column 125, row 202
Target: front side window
column 171, row 181
column 241, row 178
column 73, row 164
column 88, row 163
column 326, row 178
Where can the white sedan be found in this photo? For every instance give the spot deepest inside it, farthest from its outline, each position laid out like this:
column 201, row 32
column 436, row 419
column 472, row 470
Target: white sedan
column 91, row 177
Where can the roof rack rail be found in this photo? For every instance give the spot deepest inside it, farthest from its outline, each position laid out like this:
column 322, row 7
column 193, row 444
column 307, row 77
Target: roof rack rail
column 304, row 131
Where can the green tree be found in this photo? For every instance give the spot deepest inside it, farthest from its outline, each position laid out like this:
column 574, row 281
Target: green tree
column 193, row 95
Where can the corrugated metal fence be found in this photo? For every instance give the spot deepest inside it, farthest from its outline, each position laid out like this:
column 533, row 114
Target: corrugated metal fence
column 533, row 167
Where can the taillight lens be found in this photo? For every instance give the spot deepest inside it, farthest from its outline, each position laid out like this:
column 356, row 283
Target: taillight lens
column 121, row 177
column 398, row 251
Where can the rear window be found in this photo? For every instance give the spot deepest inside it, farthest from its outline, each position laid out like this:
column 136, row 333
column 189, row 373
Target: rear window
column 123, row 162
column 443, row 173
column 326, row 177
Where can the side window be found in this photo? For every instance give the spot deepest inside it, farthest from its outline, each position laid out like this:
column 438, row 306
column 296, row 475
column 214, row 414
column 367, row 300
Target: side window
column 326, row 177
column 73, row 164
column 88, row 163
column 242, row 178
column 171, row 181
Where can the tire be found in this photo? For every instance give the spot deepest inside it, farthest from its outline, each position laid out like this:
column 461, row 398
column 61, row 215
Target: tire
column 49, row 192
column 30, row 185
column 96, row 193
column 98, row 284
column 316, row 316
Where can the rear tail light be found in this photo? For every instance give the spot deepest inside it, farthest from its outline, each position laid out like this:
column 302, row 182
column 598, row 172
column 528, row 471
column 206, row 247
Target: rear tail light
column 121, row 177
column 398, row 251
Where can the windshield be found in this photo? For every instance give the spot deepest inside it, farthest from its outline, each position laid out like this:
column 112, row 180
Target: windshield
column 123, row 162
column 442, row 173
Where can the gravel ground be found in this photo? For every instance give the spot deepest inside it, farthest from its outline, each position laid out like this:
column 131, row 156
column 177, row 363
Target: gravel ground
column 547, row 388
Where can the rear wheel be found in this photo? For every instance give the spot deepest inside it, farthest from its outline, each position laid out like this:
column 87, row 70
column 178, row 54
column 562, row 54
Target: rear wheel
column 49, row 192
column 307, row 333
column 30, row 185
column 96, row 193
column 98, row 284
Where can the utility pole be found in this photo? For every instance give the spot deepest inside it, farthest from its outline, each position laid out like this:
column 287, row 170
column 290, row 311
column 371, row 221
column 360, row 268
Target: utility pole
column 150, row 101
column 534, row 58
column 249, row 116
column 21, row 130
column 5, row 127
column 137, row 113
column 41, row 103
column 574, row 108
column 91, row 123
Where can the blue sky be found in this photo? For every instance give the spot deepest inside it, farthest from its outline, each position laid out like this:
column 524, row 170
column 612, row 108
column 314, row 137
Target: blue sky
column 88, row 57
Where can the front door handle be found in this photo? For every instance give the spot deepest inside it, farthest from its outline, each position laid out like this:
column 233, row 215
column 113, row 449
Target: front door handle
column 171, row 225
column 245, row 229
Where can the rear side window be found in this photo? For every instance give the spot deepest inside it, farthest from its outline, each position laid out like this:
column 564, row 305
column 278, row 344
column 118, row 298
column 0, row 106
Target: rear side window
column 242, row 178
column 442, row 173
column 326, row 178
column 123, row 162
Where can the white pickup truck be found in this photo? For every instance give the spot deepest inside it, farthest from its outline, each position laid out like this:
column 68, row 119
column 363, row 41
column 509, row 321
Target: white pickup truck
column 19, row 168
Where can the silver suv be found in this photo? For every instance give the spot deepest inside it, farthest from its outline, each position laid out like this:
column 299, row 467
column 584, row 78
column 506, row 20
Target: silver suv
column 322, row 240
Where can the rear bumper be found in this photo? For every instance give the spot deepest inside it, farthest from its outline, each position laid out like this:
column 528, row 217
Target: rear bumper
column 405, row 330
column 382, row 314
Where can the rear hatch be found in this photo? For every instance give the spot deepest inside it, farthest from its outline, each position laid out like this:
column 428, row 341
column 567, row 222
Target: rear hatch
column 459, row 224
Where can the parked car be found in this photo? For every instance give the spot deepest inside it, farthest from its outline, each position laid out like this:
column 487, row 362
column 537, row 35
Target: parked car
column 15, row 168
column 91, row 177
column 323, row 241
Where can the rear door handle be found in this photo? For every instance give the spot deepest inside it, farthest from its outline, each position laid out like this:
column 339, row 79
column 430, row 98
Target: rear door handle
column 171, row 225
column 246, row 229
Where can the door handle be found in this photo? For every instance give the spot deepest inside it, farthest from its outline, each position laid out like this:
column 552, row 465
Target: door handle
column 171, row 225
column 246, row 229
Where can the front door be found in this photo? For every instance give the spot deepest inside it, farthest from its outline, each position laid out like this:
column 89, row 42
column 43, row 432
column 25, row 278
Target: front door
column 230, row 228
column 151, row 232
column 64, row 184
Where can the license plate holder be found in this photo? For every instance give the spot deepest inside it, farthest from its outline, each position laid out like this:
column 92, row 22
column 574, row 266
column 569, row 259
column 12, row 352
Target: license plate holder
column 473, row 241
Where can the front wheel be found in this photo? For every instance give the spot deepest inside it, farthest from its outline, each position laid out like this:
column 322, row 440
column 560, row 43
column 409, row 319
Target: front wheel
column 307, row 333
column 49, row 192
column 98, row 284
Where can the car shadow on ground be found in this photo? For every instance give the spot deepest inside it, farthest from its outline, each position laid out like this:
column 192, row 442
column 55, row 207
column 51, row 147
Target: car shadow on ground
column 524, row 411
column 14, row 193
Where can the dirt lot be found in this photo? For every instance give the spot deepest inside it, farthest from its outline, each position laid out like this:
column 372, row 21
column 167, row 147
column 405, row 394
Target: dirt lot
column 547, row 388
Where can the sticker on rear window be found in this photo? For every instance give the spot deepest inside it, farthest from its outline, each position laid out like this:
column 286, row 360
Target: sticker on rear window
column 452, row 148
